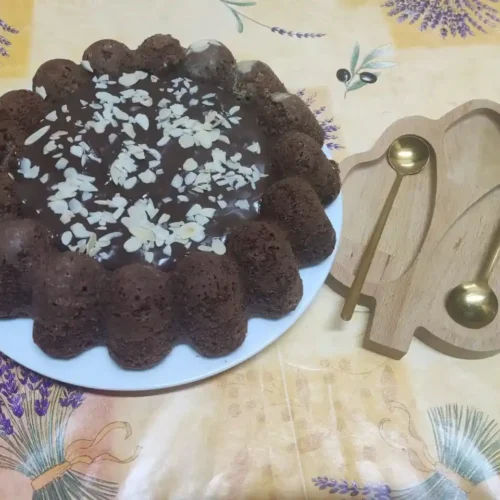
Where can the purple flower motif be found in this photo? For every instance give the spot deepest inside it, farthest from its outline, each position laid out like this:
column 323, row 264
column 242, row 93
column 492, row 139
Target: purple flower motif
column 4, row 42
column 452, row 17
column 73, row 398
column 295, row 34
column 41, row 406
column 343, row 488
column 16, row 405
column 6, row 428
column 5, row 27
column 9, row 385
column 326, row 123
column 17, row 381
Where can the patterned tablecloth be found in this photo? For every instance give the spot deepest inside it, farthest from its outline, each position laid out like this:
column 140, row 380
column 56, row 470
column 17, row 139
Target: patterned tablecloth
column 314, row 415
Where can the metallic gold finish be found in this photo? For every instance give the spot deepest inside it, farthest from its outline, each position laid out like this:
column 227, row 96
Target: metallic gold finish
column 473, row 304
column 407, row 155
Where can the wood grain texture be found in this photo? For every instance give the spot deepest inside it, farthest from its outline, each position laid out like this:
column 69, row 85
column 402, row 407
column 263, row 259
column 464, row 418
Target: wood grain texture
column 437, row 235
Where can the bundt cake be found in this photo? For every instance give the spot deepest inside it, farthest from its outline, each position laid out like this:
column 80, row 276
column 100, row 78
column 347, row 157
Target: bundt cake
column 156, row 196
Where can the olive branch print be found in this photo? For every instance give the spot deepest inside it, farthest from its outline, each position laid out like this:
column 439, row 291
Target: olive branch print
column 234, row 7
column 451, row 17
column 5, row 42
column 34, row 417
column 361, row 73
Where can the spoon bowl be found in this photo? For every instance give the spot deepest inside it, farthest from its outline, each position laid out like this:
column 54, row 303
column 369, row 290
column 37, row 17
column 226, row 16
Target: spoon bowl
column 472, row 304
column 408, row 154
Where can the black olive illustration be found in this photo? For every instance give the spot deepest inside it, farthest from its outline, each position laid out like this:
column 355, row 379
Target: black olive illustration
column 343, row 75
column 367, row 77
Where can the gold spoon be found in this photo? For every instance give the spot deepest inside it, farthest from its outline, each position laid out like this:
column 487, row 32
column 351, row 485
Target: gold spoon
column 473, row 304
column 407, row 155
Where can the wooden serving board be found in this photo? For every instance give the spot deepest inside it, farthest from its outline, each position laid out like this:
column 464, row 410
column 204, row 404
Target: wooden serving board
column 439, row 231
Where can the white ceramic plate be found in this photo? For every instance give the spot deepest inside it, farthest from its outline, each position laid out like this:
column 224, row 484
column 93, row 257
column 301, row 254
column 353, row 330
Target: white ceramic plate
column 96, row 370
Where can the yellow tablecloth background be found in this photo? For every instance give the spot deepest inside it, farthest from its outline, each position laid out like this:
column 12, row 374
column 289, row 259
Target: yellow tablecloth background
column 314, row 404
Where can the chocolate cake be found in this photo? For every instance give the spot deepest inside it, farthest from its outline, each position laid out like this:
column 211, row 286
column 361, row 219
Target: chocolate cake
column 156, row 196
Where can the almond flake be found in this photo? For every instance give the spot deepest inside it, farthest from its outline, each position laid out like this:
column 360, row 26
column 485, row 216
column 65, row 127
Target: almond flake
column 190, row 178
column 218, row 246
column 149, row 256
column 52, row 116
column 148, row 176
column 130, row 182
column 66, row 238
column 142, row 120
column 191, row 231
column 243, row 204
column 204, row 248
column 178, row 109
column 119, row 114
column 164, row 140
column 36, row 135
column 204, row 138
column 107, row 97
column 44, row 178
column 79, row 230
column 86, row 66
column 163, row 218
column 41, row 92
column 59, row 207
column 129, row 130
column 49, row 147
column 254, row 148
column 177, row 181
column 76, row 150
column 202, row 220
column 75, row 206
column 129, row 79
column 66, row 217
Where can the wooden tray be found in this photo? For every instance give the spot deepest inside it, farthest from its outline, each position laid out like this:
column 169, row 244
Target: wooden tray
column 437, row 235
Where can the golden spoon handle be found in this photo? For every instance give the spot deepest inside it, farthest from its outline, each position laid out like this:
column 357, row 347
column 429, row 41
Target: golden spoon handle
column 371, row 247
column 492, row 258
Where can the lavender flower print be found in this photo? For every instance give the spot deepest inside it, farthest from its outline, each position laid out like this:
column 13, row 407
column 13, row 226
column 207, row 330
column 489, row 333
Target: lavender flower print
column 234, row 5
column 449, row 17
column 5, row 42
column 34, row 415
column 326, row 122
column 348, row 490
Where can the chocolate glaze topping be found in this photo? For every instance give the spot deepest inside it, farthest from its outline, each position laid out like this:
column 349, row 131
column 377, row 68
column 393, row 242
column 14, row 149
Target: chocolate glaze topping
column 162, row 132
